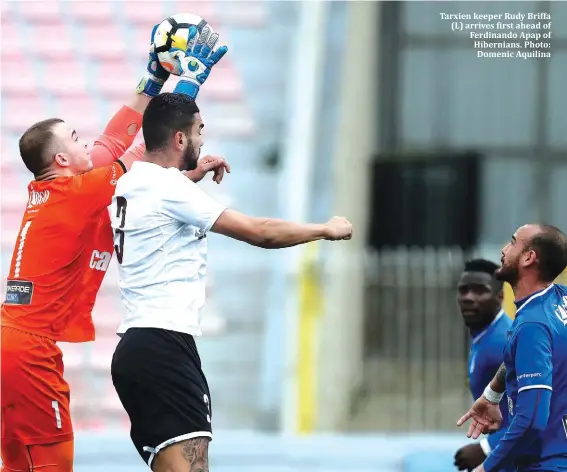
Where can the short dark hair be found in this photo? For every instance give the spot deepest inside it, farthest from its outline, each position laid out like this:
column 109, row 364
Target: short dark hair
column 486, row 266
column 550, row 246
column 36, row 145
column 166, row 114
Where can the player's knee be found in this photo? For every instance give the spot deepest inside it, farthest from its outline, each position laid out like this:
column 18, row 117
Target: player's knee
column 177, row 457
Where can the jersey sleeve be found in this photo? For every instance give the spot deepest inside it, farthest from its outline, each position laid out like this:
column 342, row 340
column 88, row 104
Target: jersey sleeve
column 93, row 190
column 533, row 357
column 531, row 418
column 185, row 201
column 118, row 136
column 133, row 154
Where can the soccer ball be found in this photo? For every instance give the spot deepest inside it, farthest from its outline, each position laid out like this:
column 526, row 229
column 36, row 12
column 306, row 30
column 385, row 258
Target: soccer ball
column 173, row 33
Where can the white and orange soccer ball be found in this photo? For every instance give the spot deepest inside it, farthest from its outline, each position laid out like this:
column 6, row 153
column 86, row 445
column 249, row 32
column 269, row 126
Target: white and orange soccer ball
column 173, row 33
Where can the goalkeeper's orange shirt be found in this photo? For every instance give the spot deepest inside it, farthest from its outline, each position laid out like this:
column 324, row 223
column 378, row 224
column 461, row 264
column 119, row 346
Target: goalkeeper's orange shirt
column 65, row 244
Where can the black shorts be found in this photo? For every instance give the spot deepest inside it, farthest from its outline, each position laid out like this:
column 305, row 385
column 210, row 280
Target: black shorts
column 157, row 375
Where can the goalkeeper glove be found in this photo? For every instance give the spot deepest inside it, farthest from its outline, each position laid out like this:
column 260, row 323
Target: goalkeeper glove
column 155, row 76
column 196, row 62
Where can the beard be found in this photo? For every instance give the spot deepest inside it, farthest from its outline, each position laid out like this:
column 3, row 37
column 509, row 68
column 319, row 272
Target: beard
column 190, row 158
column 508, row 273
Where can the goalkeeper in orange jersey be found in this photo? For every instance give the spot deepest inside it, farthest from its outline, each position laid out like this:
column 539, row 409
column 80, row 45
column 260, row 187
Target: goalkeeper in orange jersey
column 62, row 252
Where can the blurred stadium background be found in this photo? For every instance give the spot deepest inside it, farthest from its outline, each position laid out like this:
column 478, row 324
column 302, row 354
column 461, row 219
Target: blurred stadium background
column 332, row 357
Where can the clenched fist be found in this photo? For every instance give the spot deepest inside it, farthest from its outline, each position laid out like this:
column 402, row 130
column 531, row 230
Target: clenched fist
column 338, row 228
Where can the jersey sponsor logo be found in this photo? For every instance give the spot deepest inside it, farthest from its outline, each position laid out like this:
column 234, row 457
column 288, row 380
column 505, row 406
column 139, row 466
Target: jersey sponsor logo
column 38, row 198
column 113, row 179
column 561, row 312
column 528, row 376
column 200, row 234
column 510, row 406
column 19, row 292
column 100, row 260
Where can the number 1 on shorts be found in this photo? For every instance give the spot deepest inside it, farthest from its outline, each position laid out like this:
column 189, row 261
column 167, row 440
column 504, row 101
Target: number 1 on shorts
column 55, row 406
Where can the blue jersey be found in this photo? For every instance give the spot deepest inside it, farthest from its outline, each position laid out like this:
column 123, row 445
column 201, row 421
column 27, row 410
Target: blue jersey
column 485, row 357
column 536, row 385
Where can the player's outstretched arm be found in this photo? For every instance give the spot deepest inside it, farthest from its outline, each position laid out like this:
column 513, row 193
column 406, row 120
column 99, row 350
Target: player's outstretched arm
column 185, row 201
column 269, row 233
column 122, row 129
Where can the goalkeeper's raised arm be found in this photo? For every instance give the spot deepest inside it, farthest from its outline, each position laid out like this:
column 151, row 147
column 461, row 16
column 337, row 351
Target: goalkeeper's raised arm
column 123, row 127
column 195, row 64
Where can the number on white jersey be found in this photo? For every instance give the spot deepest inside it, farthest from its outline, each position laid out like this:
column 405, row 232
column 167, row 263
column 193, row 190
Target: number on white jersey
column 121, row 205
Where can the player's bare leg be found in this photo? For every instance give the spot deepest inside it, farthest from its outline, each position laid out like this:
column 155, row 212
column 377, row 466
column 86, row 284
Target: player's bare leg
column 191, row 455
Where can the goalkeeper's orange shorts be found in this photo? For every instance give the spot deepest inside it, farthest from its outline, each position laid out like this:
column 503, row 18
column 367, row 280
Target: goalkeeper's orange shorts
column 36, row 421
column 57, row 457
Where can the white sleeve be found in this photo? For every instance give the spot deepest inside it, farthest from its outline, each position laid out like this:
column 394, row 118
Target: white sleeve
column 485, row 445
column 185, row 201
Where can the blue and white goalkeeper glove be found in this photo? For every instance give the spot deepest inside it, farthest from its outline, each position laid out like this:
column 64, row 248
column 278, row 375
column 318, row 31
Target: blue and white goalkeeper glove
column 196, row 62
column 155, row 76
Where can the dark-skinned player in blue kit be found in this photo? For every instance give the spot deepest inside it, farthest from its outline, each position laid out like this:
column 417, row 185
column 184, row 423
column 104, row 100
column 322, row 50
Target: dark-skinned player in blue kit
column 480, row 295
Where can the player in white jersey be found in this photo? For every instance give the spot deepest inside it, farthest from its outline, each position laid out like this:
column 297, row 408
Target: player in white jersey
column 161, row 220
